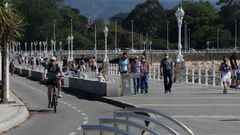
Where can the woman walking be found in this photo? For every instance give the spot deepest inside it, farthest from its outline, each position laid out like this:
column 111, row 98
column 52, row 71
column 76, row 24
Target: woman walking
column 225, row 70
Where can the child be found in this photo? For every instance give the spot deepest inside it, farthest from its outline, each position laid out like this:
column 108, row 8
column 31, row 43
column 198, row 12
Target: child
column 225, row 74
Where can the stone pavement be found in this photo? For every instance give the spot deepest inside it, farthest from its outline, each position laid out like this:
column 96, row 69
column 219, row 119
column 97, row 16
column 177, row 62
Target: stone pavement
column 204, row 109
column 12, row 114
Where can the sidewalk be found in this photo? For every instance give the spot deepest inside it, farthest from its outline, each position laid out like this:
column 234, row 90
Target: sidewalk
column 12, row 114
column 204, row 109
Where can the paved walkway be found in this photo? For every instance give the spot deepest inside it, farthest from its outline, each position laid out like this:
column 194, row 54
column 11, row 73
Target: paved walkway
column 205, row 110
column 12, row 114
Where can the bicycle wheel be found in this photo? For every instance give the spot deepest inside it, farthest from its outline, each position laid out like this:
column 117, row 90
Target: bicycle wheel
column 54, row 103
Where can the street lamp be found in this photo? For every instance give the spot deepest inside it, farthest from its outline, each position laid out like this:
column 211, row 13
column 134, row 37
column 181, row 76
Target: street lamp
column 208, row 44
column 185, row 35
column 144, row 45
column 167, row 36
column 25, row 48
column 189, row 39
column 52, row 44
column 68, row 39
column 115, row 36
column 45, row 48
column 105, row 34
column 217, row 38
column 31, row 49
column 35, row 44
column 40, row 48
column 132, row 34
column 179, row 14
column 60, row 45
column 235, row 34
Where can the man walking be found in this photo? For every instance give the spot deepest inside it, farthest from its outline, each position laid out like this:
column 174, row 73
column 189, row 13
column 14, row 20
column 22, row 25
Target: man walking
column 166, row 69
column 144, row 74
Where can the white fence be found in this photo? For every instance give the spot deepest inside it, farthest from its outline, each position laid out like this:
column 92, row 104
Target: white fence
column 195, row 74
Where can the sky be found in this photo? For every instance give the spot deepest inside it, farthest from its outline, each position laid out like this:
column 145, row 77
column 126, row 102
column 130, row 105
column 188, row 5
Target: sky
column 104, row 9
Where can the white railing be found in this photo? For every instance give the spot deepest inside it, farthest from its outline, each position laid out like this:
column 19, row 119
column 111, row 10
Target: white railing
column 194, row 74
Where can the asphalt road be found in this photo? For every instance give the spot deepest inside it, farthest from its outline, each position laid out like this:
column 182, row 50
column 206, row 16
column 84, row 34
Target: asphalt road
column 74, row 109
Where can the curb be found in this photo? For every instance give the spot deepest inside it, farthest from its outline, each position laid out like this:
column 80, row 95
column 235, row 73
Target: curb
column 17, row 118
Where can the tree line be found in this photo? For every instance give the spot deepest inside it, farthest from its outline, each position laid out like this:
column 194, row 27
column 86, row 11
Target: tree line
column 204, row 23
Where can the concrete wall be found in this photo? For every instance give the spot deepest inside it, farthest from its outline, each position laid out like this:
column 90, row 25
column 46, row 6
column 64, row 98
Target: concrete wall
column 95, row 87
column 36, row 75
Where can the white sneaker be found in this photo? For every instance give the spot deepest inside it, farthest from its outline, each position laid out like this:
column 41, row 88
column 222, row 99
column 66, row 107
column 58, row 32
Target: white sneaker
column 59, row 94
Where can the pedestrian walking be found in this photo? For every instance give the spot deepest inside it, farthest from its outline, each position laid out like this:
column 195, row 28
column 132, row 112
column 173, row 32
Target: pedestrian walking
column 136, row 74
column 145, row 65
column 166, row 70
column 124, row 68
column 233, row 62
column 124, row 65
column 225, row 70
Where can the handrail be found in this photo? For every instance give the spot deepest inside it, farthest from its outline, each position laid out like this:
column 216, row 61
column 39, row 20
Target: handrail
column 105, row 128
column 126, row 122
column 149, row 119
column 148, row 110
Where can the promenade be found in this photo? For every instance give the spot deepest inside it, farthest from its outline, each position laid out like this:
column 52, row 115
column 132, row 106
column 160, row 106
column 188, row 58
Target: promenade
column 204, row 109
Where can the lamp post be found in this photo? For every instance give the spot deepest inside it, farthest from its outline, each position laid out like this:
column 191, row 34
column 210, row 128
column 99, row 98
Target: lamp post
column 31, row 49
column 105, row 35
column 106, row 61
column 68, row 39
column 217, row 38
column 52, row 44
column 189, row 39
column 115, row 36
column 60, row 45
column 144, row 45
column 208, row 44
column 25, row 48
column 150, row 48
column 40, row 49
column 235, row 34
column 45, row 48
column 185, row 36
column 167, row 36
column 35, row 45
column 95, row 47
column 179, row 14
column 71, row 41
column 132, row 34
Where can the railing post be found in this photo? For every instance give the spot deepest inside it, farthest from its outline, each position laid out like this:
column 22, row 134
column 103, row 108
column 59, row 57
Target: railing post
column 199, row 74
column 193, row 69
column 186, row 74
column 154, row 72
column 214, row 75
column 206, row 75
column 150, row 71
column 158, row 68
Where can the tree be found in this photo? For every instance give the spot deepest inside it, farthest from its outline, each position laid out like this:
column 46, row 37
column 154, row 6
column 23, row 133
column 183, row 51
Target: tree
column 10, row 29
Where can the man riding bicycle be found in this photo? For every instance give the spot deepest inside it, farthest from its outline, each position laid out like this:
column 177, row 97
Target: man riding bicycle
column 53, row 74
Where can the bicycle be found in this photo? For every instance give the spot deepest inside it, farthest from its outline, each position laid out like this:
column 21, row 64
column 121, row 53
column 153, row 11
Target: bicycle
column 54, row 96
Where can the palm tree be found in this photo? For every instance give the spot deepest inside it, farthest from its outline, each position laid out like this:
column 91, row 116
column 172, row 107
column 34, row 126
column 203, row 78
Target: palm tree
column 11, row 28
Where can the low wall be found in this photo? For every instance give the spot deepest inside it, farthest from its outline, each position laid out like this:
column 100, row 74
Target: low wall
column 36, row 75
column 25, row 73
column 94, row 87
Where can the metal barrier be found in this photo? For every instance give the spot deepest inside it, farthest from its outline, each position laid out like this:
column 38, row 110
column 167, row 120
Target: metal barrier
column 148, row 110
column 130, row 123
column 145, row 118
column 104, row 128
